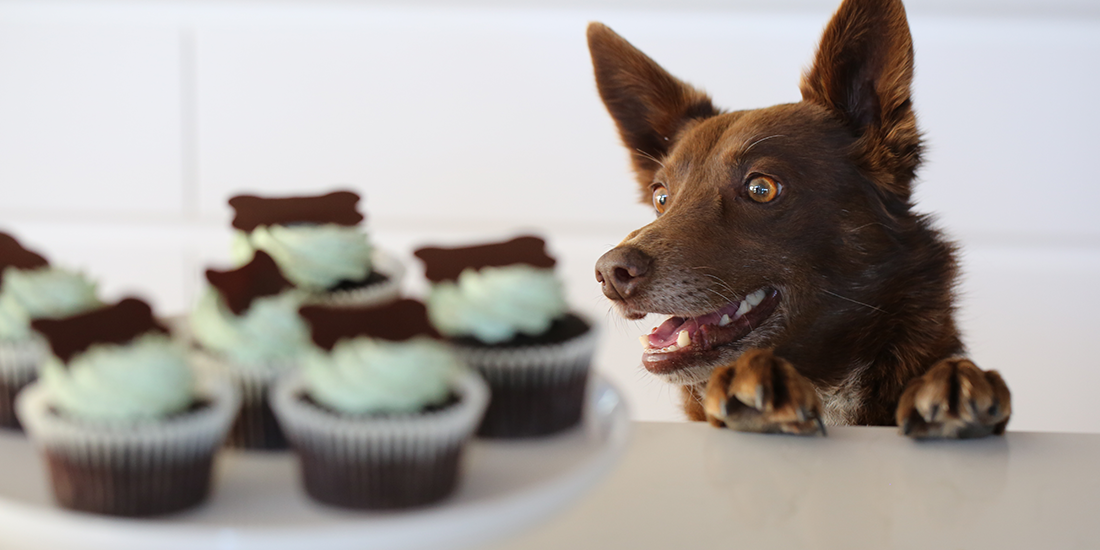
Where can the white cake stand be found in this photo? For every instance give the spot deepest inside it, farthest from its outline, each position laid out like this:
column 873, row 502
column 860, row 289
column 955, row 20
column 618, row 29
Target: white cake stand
column 259, row 504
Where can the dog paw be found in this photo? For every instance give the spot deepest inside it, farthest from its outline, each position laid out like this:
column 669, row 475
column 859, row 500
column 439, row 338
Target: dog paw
column 762, row 393
column 955, row 399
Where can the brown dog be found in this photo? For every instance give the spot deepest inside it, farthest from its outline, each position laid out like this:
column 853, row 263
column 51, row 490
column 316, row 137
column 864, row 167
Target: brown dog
column 802, row 287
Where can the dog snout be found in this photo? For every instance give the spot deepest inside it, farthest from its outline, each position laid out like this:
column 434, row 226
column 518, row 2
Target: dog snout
column 621, row 271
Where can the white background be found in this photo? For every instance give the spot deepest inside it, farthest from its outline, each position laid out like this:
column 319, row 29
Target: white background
column 125, row 126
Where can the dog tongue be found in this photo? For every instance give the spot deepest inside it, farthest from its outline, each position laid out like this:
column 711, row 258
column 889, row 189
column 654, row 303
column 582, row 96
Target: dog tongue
column 666, row 334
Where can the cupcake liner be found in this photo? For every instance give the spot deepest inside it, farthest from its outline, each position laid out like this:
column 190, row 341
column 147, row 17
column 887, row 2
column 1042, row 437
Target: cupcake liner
column 536, row 390
column 19, row 360
column 375, row 461
column 255, row 426
column 136, row 468
column 369, row 295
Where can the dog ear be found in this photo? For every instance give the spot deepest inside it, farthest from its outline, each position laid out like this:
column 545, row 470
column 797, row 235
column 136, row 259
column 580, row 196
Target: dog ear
column 649, row 105
column 862, row 72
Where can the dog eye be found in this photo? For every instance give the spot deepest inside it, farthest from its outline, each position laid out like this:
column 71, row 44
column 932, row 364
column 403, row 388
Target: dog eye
column 660, row 199
column 763, row 189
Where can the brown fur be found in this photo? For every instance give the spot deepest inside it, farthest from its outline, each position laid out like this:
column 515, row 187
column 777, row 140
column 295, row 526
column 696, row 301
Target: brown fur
column 866, row 284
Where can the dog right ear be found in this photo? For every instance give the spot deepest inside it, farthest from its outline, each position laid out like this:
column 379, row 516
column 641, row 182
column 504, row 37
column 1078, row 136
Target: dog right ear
column 649, row 105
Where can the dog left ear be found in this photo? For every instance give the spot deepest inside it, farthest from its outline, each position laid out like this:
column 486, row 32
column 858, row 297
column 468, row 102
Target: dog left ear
column 863, row 72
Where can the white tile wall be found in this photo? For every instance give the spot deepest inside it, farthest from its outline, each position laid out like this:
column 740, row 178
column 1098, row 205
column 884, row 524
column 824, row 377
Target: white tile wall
column 1011, row 126
column 475, row 119
column 124, row 126
column 90, row 120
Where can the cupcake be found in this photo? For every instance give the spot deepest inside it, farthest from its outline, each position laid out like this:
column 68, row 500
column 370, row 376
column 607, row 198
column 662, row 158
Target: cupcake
column 502, row 307
column 125, row 427
column 30, row 288
column 381, row 410
column 246, row 327
column 319, row 246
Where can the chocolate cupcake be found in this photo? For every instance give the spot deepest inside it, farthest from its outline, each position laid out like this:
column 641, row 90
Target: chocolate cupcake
column 319, row 245
column 30, row 288
column 125, row 427
column 246, row 327
column 381, row 410
column 502, row 307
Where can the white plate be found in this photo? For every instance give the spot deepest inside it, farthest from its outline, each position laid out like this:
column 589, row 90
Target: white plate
column 258, row 503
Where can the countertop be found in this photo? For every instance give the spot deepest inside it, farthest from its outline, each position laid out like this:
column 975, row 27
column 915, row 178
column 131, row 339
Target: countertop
column 694, row 486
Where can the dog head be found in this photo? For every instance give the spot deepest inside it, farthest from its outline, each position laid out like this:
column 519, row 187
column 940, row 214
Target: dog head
column 767, row 220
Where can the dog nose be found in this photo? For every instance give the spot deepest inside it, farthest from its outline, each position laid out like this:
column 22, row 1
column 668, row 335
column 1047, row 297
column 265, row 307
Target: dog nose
column 621, row 271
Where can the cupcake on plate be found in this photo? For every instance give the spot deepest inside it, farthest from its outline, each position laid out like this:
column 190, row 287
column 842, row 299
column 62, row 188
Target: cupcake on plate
column 381, row 410
column 30, row 288
column 246, row 327
column 320, row 246
column 502, row 307
column 125, row 427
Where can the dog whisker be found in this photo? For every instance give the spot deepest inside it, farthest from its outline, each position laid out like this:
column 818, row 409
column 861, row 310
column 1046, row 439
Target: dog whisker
column 650, row 157
column 857, row 302
column 763, row 139
column 724, row 298
column 720, row 281
column 724, row 285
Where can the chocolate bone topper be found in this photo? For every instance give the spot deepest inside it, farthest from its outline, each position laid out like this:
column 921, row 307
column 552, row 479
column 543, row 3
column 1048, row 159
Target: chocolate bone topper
column 258, row 278
column 339, row 207
column 445, row 264
column 396, row 321
column 12, row 254
column 116, row 324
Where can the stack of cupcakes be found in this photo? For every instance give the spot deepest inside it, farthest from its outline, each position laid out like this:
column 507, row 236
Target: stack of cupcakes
column 125, row 427
column 502, row 307
column 292, row 251
column 29, row 289
column 381, row 410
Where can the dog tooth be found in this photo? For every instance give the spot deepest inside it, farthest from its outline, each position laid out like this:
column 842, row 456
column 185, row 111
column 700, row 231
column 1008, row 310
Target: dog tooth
column 645, row 341
column 684, row 339
column 745, row 308
column 755, row 298
column 671, row 348
column 725, row 321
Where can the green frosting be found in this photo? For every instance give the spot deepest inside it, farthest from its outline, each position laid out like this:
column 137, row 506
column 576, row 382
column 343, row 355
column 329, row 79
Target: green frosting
column 367, row 375
column 269, row 331
column 145, row 379
column 45, row 292
column 314, row 257
column 494, row 304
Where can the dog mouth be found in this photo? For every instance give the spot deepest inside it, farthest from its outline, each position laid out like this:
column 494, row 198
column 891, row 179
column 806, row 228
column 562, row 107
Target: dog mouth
column 681, row 342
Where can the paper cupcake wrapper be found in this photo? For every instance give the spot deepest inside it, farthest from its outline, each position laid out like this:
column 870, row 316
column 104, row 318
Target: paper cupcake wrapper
column 255, row 426
column 19, row 360
column 370, row 295
column 130, row 468
column 379, row 462
column 536, row 390
column 537, row 365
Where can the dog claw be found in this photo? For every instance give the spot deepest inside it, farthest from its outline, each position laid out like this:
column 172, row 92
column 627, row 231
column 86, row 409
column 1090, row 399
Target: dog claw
column 954, row 399
column 763, row 393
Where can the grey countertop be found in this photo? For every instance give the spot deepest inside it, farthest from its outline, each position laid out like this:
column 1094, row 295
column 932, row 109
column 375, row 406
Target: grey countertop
column 694, row 486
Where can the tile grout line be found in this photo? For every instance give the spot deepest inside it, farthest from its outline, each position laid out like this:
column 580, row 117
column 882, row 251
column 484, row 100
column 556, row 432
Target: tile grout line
column 189, row 137
column 189, row 124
